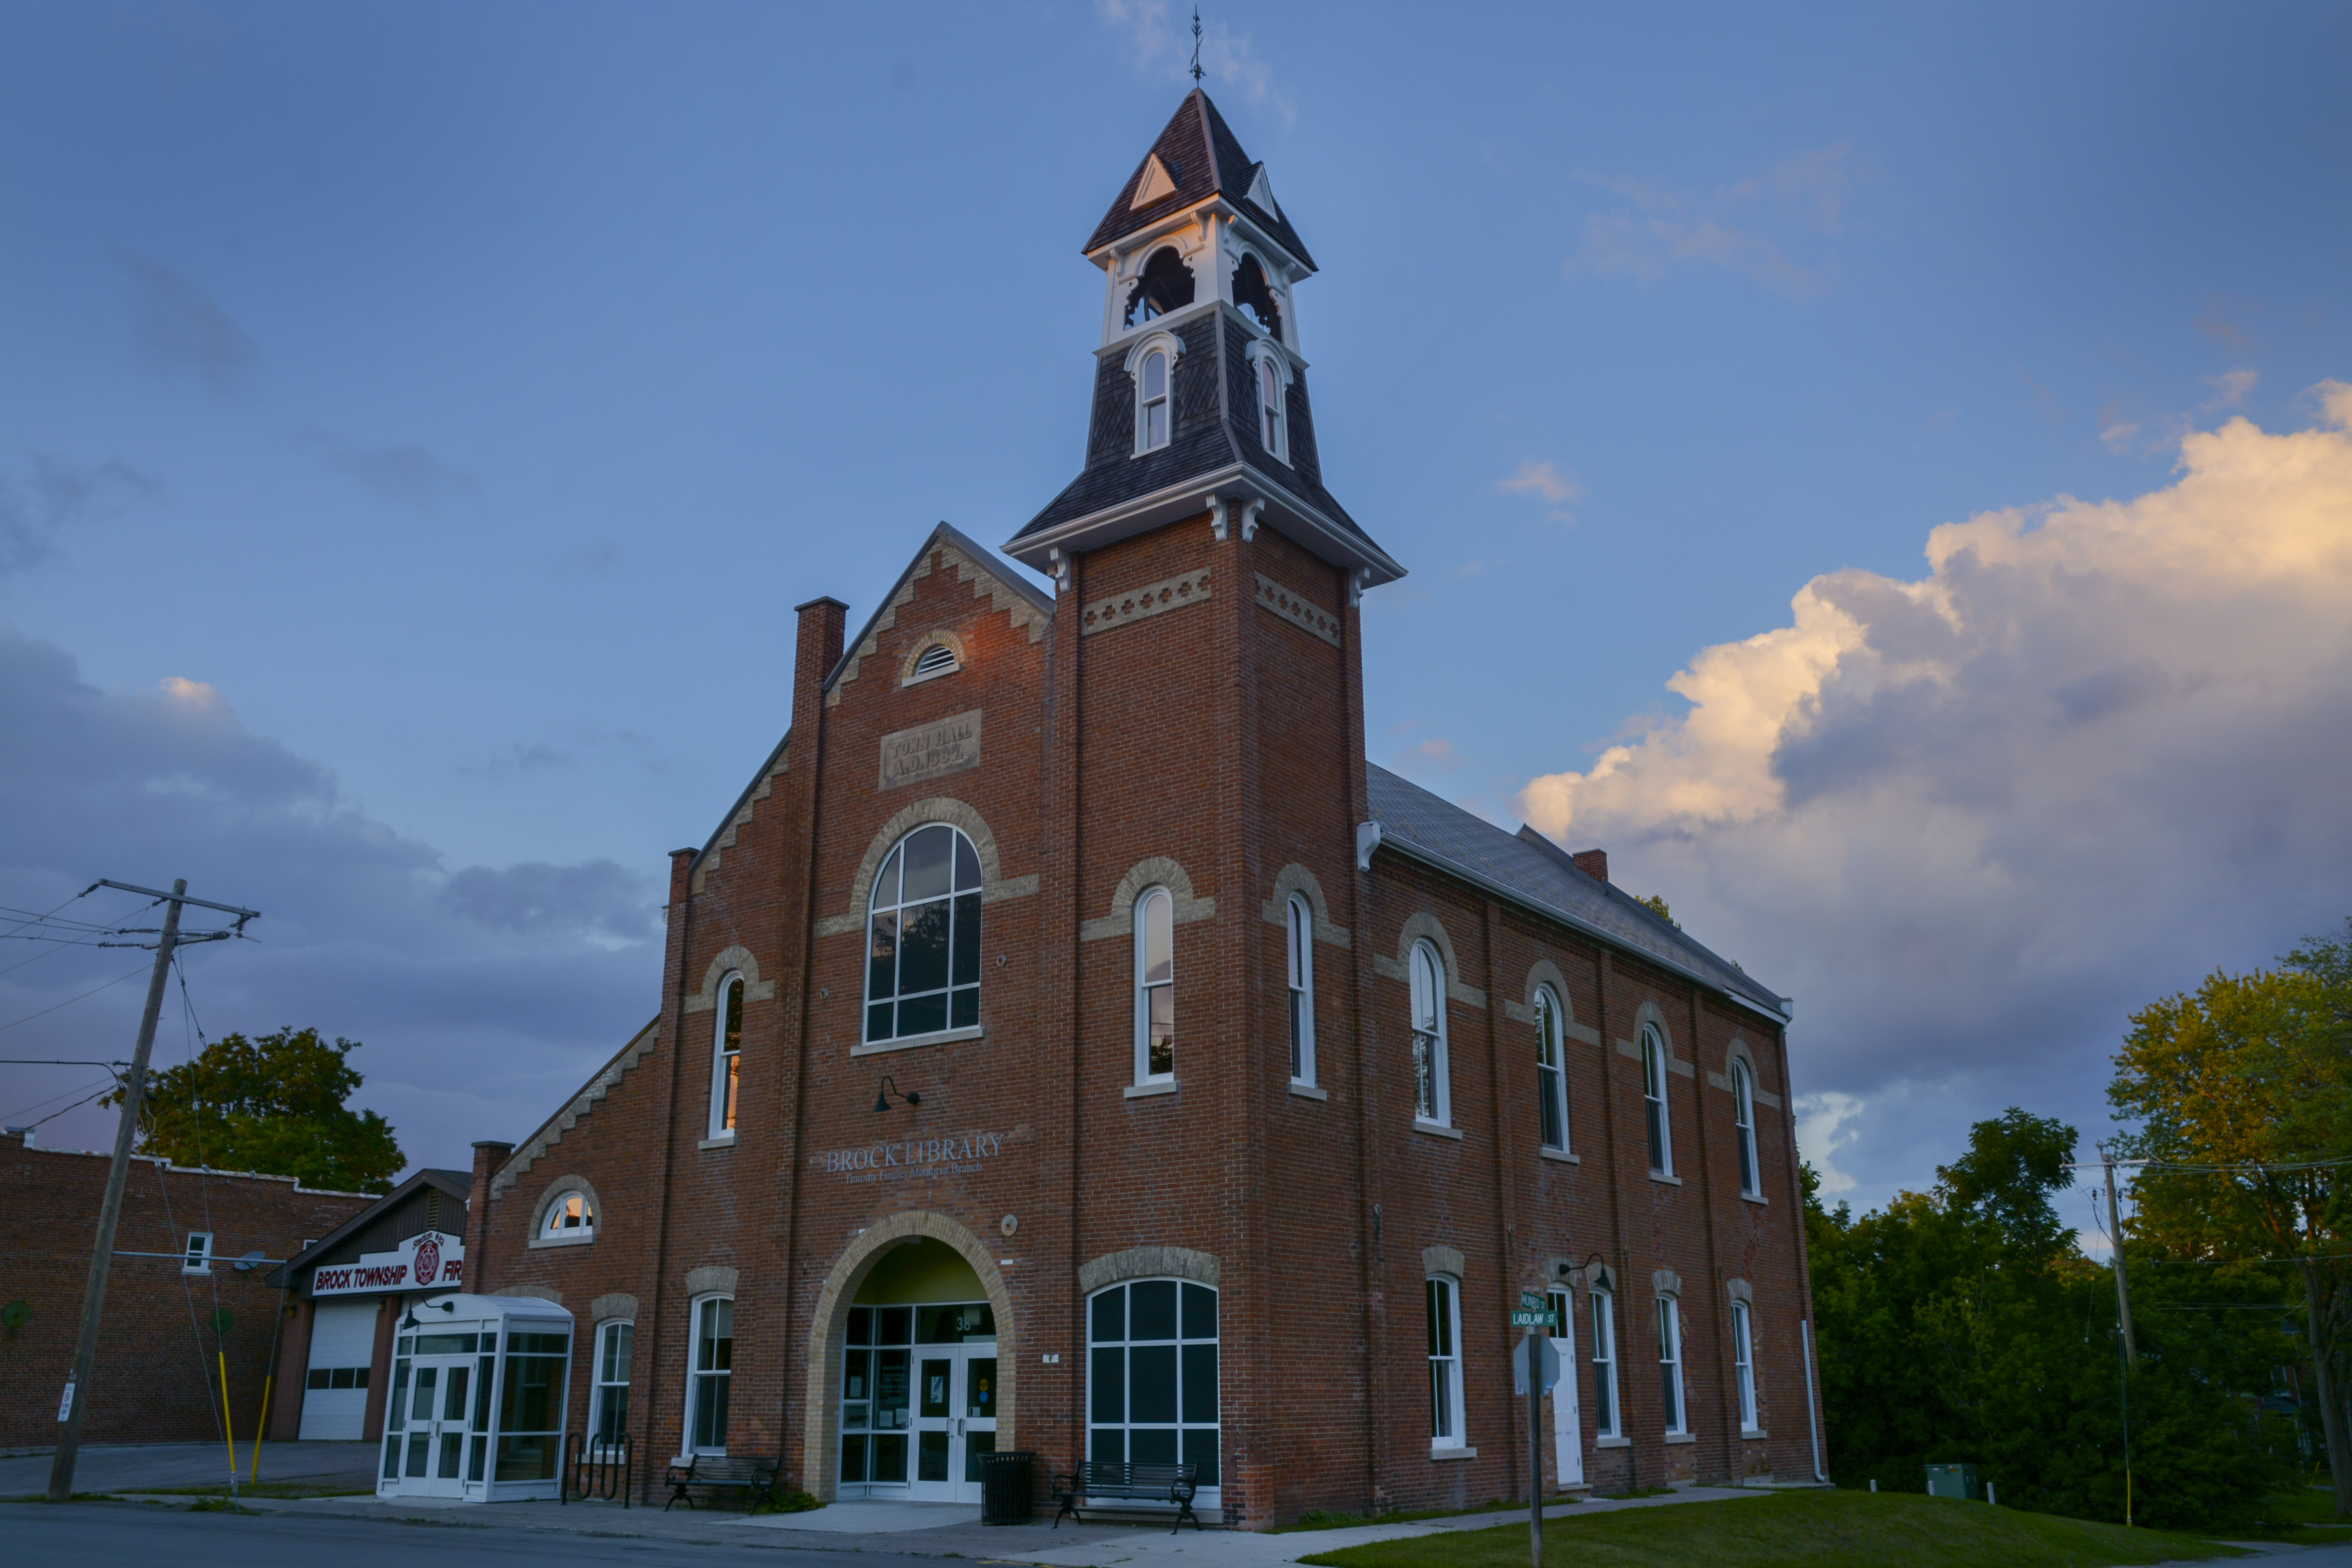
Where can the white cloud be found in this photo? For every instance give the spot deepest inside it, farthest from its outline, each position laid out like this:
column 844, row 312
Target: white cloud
column 1971, row 820
column 1158, row 41
column 1820, row 1119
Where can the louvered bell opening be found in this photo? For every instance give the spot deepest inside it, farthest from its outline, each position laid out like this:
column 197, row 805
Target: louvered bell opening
column 936, row 660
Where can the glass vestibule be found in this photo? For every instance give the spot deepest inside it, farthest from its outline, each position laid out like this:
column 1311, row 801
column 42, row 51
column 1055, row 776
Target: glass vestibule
column 476, row 1409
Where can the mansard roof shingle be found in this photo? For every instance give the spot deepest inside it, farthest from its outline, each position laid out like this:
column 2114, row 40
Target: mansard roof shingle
column 1205, row 159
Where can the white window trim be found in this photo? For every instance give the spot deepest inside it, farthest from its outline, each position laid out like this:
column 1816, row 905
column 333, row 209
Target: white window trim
column 1441, row 1089
column 1743, row 1121
column 896, row 1042
column 548, row 1236
column 1547, row 1001
column 596, row 1384
column 1266, row 348
column 1607, row 1424
column 1670, row 1353
column 720, row 1055
column 1144, row 1077
column 1299, row 942
column 1160, row 339
column 1456, row 1412
column 197, row 1258
column 695, row 1375
column 1743, row 1364
column 1655, row 1071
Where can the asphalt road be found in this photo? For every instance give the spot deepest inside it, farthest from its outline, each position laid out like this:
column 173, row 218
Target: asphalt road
column 34, row 1535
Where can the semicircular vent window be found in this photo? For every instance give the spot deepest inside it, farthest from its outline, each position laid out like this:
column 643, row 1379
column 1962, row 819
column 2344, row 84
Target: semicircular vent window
column 938, row 660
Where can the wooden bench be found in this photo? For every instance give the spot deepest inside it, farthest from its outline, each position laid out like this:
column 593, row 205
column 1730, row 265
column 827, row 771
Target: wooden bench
column 722, row 1472
column 1099, row 1483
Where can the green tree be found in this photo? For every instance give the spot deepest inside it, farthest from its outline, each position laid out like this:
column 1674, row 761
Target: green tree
column 2242, row 1094
column 1656, row 904
column 274, row 1105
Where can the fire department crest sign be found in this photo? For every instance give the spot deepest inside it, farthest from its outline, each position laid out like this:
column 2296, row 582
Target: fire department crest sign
column 428, row 1258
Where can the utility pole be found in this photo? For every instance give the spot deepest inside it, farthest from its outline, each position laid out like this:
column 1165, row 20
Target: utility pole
column 2123, row 1285
column 76, row 1399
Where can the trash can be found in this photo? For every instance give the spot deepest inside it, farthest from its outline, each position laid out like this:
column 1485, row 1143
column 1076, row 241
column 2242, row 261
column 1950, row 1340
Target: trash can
column 1004, row 1486
column 1954, row 1481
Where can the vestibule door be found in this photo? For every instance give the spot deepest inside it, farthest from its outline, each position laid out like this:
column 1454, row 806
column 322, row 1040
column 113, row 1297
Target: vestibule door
column 954, row 1420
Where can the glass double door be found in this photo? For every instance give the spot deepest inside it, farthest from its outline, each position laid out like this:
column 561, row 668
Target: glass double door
column 434, row 1417
column 952, row 1422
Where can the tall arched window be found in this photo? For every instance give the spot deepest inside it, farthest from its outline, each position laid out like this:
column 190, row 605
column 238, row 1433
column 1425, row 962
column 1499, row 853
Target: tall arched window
column 1604, row 1363
column 1269, row 401
column 1153, row 405
column 727, row 1056
column 1551, row 1070
column 1444, row 1364
column 1300, row 938
column 713, row 1375
column 1653, row 1100
column 1155, row 988
column 1670, row 1363
column 1743, row 1364
column 922, row 967
column 1151, row 1376
column 1433, row 1095
column 1743, row 1120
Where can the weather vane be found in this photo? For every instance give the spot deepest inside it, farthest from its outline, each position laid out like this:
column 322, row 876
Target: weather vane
column 1196, row 46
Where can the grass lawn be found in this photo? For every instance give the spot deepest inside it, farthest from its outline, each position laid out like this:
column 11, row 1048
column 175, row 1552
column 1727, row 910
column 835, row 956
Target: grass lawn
column 2304, row 1517
column 1796, row 1529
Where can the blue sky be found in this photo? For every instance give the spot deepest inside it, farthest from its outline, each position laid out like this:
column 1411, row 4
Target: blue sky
column 459, row 398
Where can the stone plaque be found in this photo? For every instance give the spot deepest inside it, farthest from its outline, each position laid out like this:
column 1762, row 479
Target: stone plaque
column 910, row 756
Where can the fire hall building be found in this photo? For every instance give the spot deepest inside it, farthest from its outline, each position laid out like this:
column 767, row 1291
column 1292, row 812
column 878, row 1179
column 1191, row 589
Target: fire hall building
column 1070, row 1043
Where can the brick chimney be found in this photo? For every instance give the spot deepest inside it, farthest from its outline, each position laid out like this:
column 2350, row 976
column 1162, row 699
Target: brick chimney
column 1593, row 863
column 488, row 1155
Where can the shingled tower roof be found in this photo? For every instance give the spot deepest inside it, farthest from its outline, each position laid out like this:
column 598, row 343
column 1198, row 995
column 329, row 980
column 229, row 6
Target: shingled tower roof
column 1205, row 159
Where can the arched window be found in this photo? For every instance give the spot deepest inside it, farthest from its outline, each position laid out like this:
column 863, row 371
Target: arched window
column 1255, row 295
column 1743, row 1364
column 1269, row 402
column 1164, row 284
column 570, row 1217
column 713, row 1375
column 726, row 1057
column 1445, row 1363
column 1153, row 404
column 1151, row 1376
column 922, row 967
column 610, row 1419
column 1155, row 988
column 1653, row 1100
column 1743, row 1121
column 1299, row 923
column 1604, row 1365
column 1433, row 1095
column 1551, row 1070
column 1670, row 1363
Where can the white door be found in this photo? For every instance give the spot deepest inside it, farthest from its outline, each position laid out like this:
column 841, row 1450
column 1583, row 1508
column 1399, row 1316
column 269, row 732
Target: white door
column 435, row 1418
column 335, row 1387
column 954, row 1420
column 1566, row 1429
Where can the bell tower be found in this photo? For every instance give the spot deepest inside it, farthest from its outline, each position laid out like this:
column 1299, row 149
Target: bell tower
column 1200, row 400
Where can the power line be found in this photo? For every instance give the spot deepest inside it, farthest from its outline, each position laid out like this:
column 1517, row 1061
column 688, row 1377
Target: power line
column 71, row 1000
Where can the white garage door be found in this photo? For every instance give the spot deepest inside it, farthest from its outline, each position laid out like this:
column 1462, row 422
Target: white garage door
column 334, row 1394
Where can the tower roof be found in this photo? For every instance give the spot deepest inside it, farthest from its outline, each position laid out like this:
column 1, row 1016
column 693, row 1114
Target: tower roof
column 1201, row 158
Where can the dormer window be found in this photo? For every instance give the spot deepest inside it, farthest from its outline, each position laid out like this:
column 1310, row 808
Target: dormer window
column 1254, row 296
column 1152, row 418
column 1166, row 285
column 1273, row 416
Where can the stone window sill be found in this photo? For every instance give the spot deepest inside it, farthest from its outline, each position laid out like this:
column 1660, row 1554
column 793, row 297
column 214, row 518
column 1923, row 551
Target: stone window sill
column 1613, row 1442
column 1754, row 1434
column 1682, row 1436
column 1562, row 1155
column 1308, row 1091
column 1452, row 1451
column 1754, row 1198
column 539, row 1241
column 724, row 1141
column 1664, row 1180
column 913, row 1042
column 1436, row 1129
column 1147, row 1091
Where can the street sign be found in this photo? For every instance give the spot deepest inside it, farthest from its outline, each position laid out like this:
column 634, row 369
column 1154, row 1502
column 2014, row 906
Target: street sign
column 1550, row 1366
column 1539, row 1319
column 1533, row 1300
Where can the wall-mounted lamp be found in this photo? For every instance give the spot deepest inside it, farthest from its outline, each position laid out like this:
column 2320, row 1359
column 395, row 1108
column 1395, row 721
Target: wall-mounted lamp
column 891, row 1086
column 410, row 1320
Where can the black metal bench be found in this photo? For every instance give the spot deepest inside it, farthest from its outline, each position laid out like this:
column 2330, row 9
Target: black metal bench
column 722, row 1472
column 1099, row 1483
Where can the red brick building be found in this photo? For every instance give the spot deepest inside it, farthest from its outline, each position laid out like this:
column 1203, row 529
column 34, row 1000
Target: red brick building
column 191, row 1245
column 1070, row 1043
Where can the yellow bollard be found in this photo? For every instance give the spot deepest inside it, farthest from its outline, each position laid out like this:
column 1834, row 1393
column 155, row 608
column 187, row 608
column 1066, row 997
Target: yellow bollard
column 266, row 1379
column 228, row 1427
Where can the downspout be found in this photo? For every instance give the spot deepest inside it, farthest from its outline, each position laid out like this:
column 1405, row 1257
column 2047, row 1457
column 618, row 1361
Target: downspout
column 1813, row 1409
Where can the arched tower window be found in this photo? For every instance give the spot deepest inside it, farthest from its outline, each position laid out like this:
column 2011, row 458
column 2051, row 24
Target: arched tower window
column 1552, row 1076
column 1432, row 1096
column 1153, row 403
column 1300, row 925
column 1269, row 402
column 1165, row 285
column 1155, row 986
column 1743, row 1120
column 727, row 1057
column 1254, row 296
column 1653, row 1100
column 922, row 964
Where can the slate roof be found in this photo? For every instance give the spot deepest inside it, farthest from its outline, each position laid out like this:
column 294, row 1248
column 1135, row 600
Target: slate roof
column 1205, row 159
column 1537, row 872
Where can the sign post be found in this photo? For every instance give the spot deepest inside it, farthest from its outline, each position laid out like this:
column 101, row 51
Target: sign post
column 1535, row 1367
